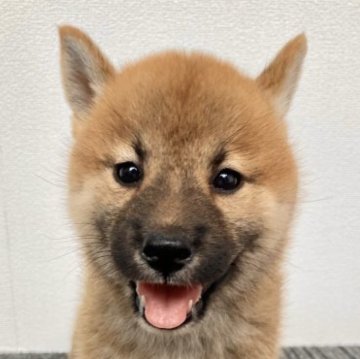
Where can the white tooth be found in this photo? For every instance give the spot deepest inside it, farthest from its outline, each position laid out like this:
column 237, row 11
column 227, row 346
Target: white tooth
column 142, row 304
column 190, row 305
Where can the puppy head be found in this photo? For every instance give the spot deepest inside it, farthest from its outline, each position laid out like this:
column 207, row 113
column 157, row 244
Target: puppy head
column 181, row 177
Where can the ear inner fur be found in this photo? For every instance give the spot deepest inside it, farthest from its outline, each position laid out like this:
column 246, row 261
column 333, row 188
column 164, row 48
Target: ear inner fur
column 280, row 78
column 85, row 69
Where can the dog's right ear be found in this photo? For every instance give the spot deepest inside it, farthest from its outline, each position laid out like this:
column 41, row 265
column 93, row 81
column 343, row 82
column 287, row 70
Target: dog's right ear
column 85, row 70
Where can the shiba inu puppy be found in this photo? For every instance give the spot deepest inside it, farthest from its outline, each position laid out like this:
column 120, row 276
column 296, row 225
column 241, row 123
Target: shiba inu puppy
column 182, row 186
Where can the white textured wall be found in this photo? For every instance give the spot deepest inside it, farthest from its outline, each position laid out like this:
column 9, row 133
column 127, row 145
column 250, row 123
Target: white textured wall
column 39, row 269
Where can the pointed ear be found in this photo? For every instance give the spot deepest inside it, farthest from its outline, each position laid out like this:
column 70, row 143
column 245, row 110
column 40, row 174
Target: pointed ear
column 280, row 78
column 85, row 69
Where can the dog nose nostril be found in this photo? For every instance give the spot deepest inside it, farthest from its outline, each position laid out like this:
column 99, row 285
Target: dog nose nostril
column 183, row 254
column 166, row 255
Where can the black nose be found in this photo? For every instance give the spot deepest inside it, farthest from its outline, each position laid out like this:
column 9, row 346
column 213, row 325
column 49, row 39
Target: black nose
column 166, row 254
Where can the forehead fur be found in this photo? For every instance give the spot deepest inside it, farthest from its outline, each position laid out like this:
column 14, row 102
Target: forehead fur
column 187, row 108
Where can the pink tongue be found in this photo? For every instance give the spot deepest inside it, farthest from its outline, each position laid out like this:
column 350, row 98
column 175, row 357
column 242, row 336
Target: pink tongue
column 166, row 306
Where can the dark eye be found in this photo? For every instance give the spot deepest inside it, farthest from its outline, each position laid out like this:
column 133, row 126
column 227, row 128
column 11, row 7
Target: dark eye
column 228, row 180
column 127, row 173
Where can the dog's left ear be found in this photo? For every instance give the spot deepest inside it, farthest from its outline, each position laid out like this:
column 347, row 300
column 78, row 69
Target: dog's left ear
column 280, row 78
column 85, row 70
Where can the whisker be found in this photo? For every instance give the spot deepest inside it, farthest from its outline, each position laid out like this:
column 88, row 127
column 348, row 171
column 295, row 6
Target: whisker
column 74, row 250
column 50, row 182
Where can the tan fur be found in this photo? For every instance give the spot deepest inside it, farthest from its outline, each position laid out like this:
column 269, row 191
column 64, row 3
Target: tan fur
column 184, row 106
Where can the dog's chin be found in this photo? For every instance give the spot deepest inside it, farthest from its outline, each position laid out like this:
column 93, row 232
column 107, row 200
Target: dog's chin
column 171, row 308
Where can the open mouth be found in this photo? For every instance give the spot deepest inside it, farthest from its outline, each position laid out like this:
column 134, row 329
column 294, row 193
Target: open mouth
column 169, row 307
column 166, row 306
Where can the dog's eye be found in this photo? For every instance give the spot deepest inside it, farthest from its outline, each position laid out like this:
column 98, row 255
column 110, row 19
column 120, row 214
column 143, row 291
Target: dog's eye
column 228, row 180
column 127, row 173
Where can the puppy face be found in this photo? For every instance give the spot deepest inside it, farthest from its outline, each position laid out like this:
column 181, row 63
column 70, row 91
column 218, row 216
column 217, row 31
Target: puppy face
column 182, row 182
